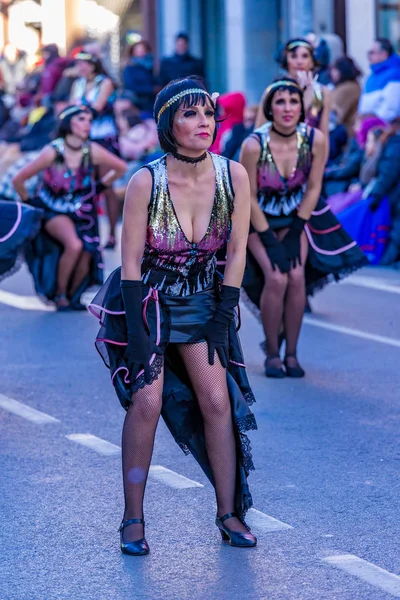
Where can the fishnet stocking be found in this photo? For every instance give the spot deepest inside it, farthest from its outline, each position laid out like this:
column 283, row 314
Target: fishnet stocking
column 137, row 448
column 210, row 387
column 295, row 303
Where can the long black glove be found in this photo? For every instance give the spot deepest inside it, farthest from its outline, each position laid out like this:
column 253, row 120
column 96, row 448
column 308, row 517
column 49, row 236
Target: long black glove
column 140, row 346
column 275, row 250
column 100, row 187
column 291, row 241
column 216, row 329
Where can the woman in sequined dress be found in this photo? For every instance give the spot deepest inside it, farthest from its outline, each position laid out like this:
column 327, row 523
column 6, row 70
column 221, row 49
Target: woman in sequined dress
column 292, row 247
column 65, row 258
column 94, row 88
column 299, row 63
column 168, row 321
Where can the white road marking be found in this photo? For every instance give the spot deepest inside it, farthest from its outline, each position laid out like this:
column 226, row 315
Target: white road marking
column 367, row 571
column 174, row 480
column 372, row 283
column 309, row 320
column 259, row 520
column 24, row 302
column 26, row 412
column 94, row 443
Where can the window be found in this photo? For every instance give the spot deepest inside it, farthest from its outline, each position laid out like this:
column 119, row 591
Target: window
column 388, row 21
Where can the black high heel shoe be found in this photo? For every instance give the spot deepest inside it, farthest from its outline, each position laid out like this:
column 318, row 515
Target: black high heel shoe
column 111, row 243
column 239, row 539
column 138, row 547
column 274, row 372
column 295, row 372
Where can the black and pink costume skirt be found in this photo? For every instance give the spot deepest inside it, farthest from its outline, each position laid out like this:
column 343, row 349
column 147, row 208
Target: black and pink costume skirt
column 332, row 253
column 19, row 224
column 43, row 253
column 171, row 321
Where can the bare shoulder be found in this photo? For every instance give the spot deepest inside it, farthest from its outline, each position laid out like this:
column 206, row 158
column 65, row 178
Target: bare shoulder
column 140, row 186
column 251, row 146
column 238, row 174
column 319, row 141
column 327, row 93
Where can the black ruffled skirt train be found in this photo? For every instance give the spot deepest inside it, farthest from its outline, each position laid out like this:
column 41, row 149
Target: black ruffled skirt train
column 19, row 224
column 171, row 321
column 332, row 254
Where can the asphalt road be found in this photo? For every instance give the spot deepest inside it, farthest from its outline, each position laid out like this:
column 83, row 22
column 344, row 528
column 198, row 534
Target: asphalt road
column 326, row 488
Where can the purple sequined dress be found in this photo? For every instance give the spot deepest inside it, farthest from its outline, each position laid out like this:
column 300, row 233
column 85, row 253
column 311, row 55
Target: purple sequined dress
column 62, row 191
column 183, row 287
column 332, row 253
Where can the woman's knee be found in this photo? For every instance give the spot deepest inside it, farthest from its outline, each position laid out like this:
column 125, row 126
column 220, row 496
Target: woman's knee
column 74, row 245
column 147, row 407
column 215, row 404
column 296, row 277
column 276, row 279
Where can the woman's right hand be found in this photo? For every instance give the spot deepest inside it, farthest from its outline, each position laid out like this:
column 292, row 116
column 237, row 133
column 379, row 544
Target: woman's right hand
column 140, row 346
column 275, row 251
column 138, row 353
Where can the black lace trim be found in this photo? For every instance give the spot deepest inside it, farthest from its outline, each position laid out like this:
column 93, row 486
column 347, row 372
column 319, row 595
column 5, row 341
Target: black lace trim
column 155, row 370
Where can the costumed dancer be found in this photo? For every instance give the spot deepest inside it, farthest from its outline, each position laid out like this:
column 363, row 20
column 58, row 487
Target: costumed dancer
column 65, row 257
column 292, row 249
column 168, row 326
column 96, row 89
column 299, row 63
column 19, row 223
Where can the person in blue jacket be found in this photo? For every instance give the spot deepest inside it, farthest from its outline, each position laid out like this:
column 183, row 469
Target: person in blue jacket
column 381, row 95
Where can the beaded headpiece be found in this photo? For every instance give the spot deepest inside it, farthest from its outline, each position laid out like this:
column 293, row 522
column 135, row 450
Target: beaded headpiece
column 296, row 43
column 73, row 110
column 177, row 97
column 282, row 83
column 86, row 56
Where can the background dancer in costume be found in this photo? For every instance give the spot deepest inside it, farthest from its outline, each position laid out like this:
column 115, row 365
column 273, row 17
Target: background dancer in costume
column 299, row 62
column 18, row 224
column 65, row 258
column 292, row 246
column 96, row 89
column 168, row 325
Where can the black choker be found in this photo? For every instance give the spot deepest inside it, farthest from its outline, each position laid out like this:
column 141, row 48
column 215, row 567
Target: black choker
column 189, row 159
column 285, row 135
column 72, row 147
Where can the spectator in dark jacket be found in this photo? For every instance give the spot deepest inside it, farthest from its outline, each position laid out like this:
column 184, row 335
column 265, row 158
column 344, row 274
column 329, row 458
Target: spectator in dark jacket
column 387, row 184
column 181, row 63
column 138, row 75
column 339, row 176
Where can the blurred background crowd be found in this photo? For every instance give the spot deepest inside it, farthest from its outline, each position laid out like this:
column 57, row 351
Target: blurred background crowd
column 53, row 55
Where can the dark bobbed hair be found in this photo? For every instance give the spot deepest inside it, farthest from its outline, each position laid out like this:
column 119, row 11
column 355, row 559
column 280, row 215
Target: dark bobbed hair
column 165, row 123
column 386, row 45
column 300, row 41
column 64, row 125
column 347, row 68
column 292, row 89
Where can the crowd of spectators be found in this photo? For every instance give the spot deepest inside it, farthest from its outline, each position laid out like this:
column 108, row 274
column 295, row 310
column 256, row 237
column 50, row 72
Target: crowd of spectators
column 364, row 161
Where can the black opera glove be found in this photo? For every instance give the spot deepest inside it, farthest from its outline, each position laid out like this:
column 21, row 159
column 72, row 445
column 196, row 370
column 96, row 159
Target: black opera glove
column 100, row 187
column 291, row 241
column 217, row 328
column 275, row 251
column 140, row 346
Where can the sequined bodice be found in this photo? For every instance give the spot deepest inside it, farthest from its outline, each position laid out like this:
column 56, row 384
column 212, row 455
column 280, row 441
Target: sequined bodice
column 278, row 195
column 171, row 263
column 62, row 188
